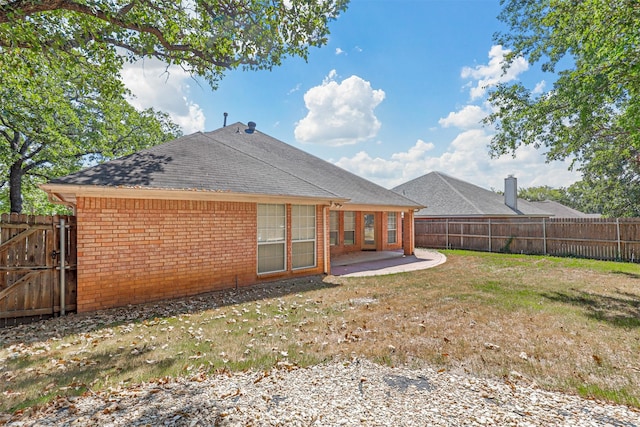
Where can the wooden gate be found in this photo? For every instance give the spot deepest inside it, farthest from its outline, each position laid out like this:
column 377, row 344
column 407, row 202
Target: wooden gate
column 30, row 267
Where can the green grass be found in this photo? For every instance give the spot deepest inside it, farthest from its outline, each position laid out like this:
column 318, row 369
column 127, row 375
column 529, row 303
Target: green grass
column 593, row 391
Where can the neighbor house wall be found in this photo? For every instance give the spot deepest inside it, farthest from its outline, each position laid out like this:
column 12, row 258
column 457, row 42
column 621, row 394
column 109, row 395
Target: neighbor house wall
column 133, row 251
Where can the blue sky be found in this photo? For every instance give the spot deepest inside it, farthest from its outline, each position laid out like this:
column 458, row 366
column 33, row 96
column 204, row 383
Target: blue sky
column 396, row 93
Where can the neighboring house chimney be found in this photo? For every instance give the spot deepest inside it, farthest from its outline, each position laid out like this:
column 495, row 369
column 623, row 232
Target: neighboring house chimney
column 511, row 192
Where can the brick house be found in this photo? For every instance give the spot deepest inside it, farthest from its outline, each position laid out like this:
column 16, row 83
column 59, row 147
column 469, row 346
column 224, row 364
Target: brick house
column 215, row 210
column 446, row 197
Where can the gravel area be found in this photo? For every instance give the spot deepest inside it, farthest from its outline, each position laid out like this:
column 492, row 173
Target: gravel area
column 354, row 393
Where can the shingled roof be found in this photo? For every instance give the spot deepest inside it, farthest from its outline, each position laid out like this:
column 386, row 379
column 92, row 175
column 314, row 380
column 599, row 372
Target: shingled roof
column 235, row 160
column 558, row 210
column 446, row 196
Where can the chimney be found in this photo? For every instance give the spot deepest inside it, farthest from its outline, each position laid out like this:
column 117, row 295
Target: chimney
column 511, row 192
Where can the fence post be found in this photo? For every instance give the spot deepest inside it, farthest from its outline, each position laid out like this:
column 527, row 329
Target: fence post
column 544, row 236
column 63, row 255
column 490, row 235
column 618, row 235
column 447, row 231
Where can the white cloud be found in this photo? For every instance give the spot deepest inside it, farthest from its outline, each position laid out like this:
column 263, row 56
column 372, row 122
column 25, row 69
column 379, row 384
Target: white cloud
column 165, row 89
column 294, row 89
column 418, row 151
column 340, row 51
column 340, row 113
column 493, row 73
column 467, row 118
column 539, row 87
column 466, row 158
column 330, row 77
column 375, row 169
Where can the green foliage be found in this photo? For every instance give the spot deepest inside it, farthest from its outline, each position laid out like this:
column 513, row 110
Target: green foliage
column 580, row 196
column 58, row 117
column 542, row 193
column 62, row 104
column 591, row 114
column 205, row 37
column 610, row 185
column 34, row 200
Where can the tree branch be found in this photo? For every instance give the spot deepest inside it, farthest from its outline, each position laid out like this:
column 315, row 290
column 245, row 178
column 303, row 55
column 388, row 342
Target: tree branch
column 25, row 8
column 34, row 153
column 29, row 167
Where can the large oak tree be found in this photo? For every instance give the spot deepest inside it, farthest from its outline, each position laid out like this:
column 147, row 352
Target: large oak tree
column 205, row 37
column 62, row 102
column 56, row 118
column 592, row 112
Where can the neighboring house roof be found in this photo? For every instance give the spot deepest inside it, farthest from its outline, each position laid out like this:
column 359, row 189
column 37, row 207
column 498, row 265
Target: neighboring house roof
column 558, row 210
column 232, row 161
column 446, row 196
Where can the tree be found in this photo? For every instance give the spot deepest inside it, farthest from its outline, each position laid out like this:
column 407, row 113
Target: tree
column 542, row 193
column 602, row 194
column 592, row 112
column 579, row 196
column 63, row 105
column 56, row 118
column 205, row 37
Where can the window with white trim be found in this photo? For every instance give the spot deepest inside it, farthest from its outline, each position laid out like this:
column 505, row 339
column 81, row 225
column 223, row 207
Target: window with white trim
column 333, row 228
column 349, row 228
column 303, row 236
column 392, row 227
column 272, row 237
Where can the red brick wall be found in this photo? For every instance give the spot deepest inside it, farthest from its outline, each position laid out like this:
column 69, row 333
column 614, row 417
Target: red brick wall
column 132, row 251
column 408, row 233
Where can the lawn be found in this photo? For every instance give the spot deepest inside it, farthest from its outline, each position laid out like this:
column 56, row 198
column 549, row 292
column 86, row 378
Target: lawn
column 567, row 324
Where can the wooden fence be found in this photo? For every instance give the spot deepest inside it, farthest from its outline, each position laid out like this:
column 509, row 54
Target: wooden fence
column 595, row 238
column 37, row 265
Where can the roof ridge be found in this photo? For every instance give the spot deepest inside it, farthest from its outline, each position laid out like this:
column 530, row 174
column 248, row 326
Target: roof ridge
column 235, row 148
column 439, row 175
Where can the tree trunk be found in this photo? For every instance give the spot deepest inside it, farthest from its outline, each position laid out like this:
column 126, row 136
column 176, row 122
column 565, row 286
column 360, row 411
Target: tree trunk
column 15, row 187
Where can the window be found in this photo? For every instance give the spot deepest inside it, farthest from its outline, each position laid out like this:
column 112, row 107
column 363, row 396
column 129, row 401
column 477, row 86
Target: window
column 392, row 227
column 333, row 228
column 303, row 236
column 349, row 228
column 271, row 238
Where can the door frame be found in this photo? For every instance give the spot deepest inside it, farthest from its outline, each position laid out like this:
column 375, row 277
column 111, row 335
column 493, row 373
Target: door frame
column 369, row 246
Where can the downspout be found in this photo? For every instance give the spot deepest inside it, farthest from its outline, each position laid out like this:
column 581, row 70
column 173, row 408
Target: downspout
column 327, row 265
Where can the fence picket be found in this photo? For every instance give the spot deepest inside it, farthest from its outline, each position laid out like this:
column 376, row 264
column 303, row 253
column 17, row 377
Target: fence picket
column 596, row 238
column 29, row 277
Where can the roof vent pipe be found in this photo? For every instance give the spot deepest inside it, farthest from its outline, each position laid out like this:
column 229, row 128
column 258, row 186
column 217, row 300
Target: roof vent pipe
column 225, row 120
column 511, row 192
column 252, row 127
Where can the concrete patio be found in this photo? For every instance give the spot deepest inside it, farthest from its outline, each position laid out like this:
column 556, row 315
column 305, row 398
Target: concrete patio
column 377, row 263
